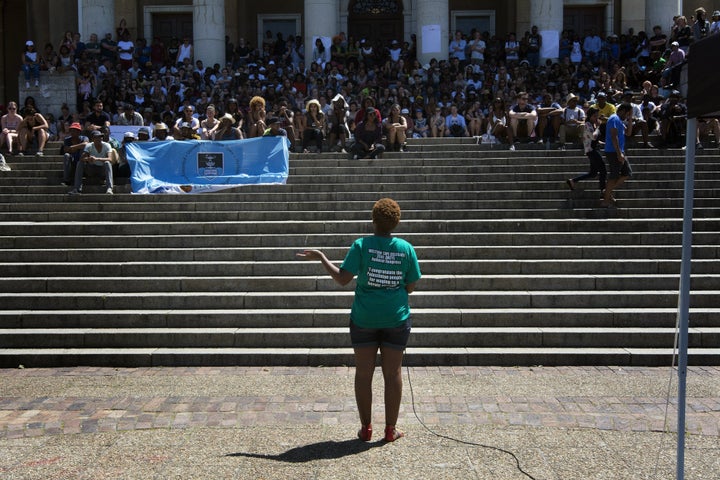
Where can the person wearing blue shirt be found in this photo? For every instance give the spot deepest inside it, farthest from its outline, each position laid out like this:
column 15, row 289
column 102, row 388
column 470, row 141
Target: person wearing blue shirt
column 618, row 164
column 387, row 270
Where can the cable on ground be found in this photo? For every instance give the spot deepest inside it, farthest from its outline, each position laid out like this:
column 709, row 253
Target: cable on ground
column 465, row 442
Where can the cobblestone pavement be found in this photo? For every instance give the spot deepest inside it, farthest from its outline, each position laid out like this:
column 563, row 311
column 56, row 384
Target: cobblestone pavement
column 277, row 422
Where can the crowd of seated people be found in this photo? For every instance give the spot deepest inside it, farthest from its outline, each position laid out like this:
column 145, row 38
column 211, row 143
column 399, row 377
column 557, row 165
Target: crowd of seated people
column 491, row 88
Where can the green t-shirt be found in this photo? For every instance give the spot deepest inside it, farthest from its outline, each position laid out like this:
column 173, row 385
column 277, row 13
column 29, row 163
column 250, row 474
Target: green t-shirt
column 384, row 266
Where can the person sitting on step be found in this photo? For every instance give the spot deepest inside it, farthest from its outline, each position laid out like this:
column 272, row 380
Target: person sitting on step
column 395, row 127
column 97, row 158
column 33, row 127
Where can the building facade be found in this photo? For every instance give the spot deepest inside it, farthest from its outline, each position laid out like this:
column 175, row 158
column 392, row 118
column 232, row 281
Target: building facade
column 213, row 23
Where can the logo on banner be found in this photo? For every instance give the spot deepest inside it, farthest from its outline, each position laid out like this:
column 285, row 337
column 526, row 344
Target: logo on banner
column 210, row 164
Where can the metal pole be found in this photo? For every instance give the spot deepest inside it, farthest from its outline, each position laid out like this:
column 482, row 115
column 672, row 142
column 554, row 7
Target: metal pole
column 684, row 296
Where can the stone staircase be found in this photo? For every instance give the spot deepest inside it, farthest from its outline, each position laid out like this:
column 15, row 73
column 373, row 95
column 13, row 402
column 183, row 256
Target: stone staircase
column 517, row 269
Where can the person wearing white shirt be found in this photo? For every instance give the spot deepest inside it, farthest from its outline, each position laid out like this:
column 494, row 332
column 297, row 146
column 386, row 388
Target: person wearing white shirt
column 572, row 122
column 125, row 48
column 637, row 120
column 477, row 49
column 592, row 45
column 394, row 51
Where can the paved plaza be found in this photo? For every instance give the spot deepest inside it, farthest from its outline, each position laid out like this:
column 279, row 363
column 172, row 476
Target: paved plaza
column 296, row 422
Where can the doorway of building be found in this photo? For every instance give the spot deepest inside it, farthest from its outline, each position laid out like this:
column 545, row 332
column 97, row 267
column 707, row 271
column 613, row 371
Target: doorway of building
column 583, row 20
column 376, row 20
column 172, row 25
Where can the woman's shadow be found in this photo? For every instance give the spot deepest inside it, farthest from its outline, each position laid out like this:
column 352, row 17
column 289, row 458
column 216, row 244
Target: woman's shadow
column 316, row 451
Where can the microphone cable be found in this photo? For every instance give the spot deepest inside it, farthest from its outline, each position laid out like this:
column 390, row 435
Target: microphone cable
column 465, row 442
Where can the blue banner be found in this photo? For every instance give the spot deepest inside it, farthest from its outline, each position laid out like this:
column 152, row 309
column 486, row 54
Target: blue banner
column 200, row 166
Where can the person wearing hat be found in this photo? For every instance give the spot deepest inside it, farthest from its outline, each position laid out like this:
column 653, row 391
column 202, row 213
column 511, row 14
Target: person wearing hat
column 572, row 121
column 701, row 27
column 394, row 51
column 143, row 134
column 274, row 129
column 671, row 73
column 96, row 159
column 30, row 62
column 72, row 149
column 122, row 168
column 160, row 132
column 715, row 25
column 224, row 130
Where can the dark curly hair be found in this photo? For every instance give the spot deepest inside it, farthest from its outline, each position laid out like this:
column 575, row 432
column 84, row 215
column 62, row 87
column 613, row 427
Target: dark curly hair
column 386, row 214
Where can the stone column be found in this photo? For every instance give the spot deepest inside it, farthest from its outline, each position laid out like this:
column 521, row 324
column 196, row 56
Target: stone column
column 97, row 16
column 209, row 31
column 547, row 15
column 661, row 12
column 322, row 19
column 431, row 15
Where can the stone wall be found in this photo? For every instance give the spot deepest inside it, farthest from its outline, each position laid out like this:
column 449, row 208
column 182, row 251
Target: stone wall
column 54, row 90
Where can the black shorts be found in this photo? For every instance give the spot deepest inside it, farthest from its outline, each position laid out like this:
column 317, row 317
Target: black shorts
column 616, row 168
column 395, row 338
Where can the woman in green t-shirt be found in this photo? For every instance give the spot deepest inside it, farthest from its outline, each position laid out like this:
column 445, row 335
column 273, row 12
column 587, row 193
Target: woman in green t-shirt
column 387, row 270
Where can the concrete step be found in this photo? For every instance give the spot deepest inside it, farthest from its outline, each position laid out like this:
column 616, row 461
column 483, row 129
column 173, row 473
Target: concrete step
column 421, row 169
column 576, row 226
column 550, row 209
column 422, row 178
column 299, row 283
column 517, row 269
column 526, row 241
column 270, row 300
column 417, row 202
column 337, row 337
column 183, row 251
column 603, row 317
column 469, row 266
column 414, row 356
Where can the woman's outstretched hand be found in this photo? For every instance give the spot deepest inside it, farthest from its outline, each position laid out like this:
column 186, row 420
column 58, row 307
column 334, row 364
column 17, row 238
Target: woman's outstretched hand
column 310, row 255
